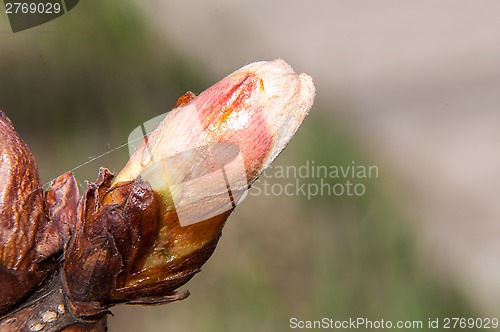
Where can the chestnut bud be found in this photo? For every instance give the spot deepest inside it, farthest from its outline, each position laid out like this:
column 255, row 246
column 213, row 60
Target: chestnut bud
column 141, row 235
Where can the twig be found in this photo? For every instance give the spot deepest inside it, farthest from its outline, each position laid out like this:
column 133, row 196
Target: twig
column 46, row 311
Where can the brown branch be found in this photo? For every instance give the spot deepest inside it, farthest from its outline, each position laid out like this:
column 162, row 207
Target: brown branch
column 46, row 311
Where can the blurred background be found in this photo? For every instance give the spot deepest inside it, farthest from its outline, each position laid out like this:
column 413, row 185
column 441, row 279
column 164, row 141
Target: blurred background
column 410, row 87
